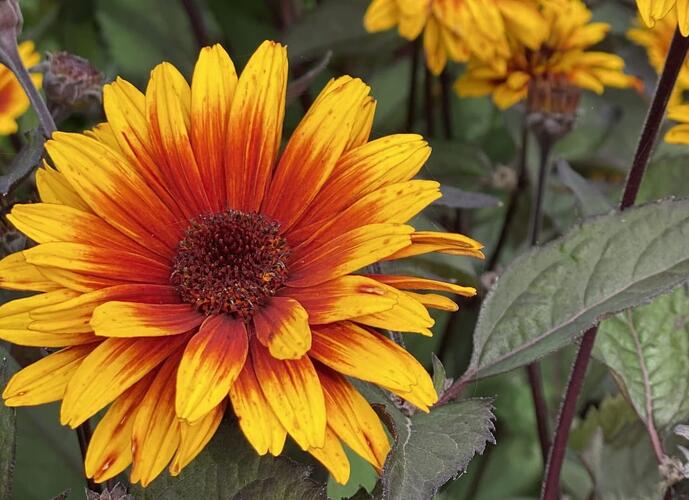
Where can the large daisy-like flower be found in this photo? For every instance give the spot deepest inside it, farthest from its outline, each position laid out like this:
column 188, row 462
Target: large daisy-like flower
column 187, row 265
column 562, row 56
column 652, row 11
column 13, row 101
column 455, row 29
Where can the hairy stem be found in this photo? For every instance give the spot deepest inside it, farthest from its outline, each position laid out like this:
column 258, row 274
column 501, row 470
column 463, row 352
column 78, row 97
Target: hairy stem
column 649, row 134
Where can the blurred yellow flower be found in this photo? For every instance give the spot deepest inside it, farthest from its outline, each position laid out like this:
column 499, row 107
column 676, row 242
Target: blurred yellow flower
column 652, row 11
column 561, row 57
column 679, row 134
column 457, row 29
column 13, row 100
column 656, row 41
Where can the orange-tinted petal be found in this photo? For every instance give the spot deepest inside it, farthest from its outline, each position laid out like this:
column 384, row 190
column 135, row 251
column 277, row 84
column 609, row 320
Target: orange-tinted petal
column 407, row 315
column 256, row 418
column 416, row 283
column 133, row 319
column 110, row 369
column 17, row 274
column 283, row 327
column 343, row 298
column 314, row 149
column 434, row 301
column 110, row 448
column 258, row 109
column 212, row 89
column 294, row 393
column 449, row 243
column 211, row 362
column 46, row 379
column 194, row 438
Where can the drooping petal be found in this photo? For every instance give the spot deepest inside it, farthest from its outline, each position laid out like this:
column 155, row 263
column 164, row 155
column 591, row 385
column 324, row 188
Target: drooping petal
column 333, row 457
column 110, row 369
column 256, row 418
column 194, row 438
column 110, row 448
column 283, row 327
column 434, row 301
column 354, row 250
column 134, row 319
column 381, row 15
column 314, row 149
column 416, row 283
column 54, row 188
column 212, row 89
column 168, row 109
column 353, row 419
column 294, row 393
column 359, row 353
column 256, row 115
column 448, row 243
column 45, row 380
column 156, row 430
column 343, row 298
column 211, row 362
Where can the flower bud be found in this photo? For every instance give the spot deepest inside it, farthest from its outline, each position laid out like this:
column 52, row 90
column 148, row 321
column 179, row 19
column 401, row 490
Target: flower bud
column 69, row 81
column 552, row 103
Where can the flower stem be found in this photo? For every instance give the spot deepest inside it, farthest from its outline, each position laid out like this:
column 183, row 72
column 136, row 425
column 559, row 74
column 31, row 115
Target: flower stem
column 411, row 102
column 198, row 27
column 84, row 437
column 446, row 103
column 429, row 103
column 673, row 64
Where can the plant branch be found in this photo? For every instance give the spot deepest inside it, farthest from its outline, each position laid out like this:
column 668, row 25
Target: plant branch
column 413, row 76
column 649, row 134
column 429, row 103
column 198, row 26
column 446, row 92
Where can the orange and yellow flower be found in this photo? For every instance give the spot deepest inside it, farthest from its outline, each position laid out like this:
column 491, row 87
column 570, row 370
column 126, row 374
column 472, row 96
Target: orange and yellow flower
column 563, row 55
column 13, row 101
column 187, row 266
column 652, row 11
column 455, row 29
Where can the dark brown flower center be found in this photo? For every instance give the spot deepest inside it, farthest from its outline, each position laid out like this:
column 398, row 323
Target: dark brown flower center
column 230, row 262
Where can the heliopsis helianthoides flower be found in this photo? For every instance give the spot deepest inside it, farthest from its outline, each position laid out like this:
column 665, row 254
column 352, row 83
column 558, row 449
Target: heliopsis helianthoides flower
column 656, row 41
column 652, row 11
column 454, row 29
column 561, row 57
column 679, row 134
column 13, row 101
column 188, row 268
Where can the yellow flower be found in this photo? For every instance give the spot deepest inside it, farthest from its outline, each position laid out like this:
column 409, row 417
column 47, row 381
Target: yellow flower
column 679, row 134
column 562, row 56
column 652, row 11
column 455, row 29
column 13, row 100
column 656, row 41
column 183, row 257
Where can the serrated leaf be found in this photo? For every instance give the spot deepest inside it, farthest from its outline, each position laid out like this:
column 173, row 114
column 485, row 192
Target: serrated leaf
column 611, row 417
column 550, row 295
column 457, row 198
column 591, row 201
column 431, row 449
column 7, row 438
column 229, row 469
column 648, row 350
column 666, row 174
column 439, row 375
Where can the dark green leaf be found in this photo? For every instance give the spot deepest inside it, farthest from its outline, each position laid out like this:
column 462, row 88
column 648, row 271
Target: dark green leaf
column 431, row 449
column 23, row 162
column 229, row 469
column 7, row 438
column 457, row 198
column 591, row 201
column 665, row 176
column 439, row 375
column 550, row 295
column 648, row 350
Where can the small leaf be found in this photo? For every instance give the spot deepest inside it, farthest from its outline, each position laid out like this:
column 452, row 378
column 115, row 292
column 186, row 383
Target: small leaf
column 550, row 295
column 612, row 416
column 229, row 469
column 7, row 439
column 439, row 375
column 591, row 201
column 648, row 350
column 431, row 449
column 457, row 198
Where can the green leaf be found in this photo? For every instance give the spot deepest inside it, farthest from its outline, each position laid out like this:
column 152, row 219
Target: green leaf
column 550, row 295
column 591, row 201
column 431, row 449
column 140, row 36
column 666, row 175
column 612, row 416
column 439, row 375
column 229, row 469
column 648, row 350
column 454, row 197
column 7, row 439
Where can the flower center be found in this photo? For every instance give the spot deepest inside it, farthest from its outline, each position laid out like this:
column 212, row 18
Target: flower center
column 230, row 262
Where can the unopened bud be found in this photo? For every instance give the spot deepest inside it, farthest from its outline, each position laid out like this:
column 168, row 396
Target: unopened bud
column 69, row 81
column 552, row 103
column 11, row 22
column 118, row 492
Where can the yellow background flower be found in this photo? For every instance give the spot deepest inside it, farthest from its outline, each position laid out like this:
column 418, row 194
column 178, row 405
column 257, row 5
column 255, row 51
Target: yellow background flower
column 13, row 101
column 652, row 11
column 186, row 264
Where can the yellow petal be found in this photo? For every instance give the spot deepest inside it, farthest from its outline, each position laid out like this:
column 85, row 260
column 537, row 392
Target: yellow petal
column 333, row 457
column 133, row 319
column 194, row 438
column 381, row 15
column 283, row 327
column 17, row 274
column 53, row 187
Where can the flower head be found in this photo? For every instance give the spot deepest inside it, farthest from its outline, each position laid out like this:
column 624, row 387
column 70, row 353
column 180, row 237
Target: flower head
column 455, row 29
column 13, row 101
column 652, row 11
column 563, row 56
column 187, row 266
